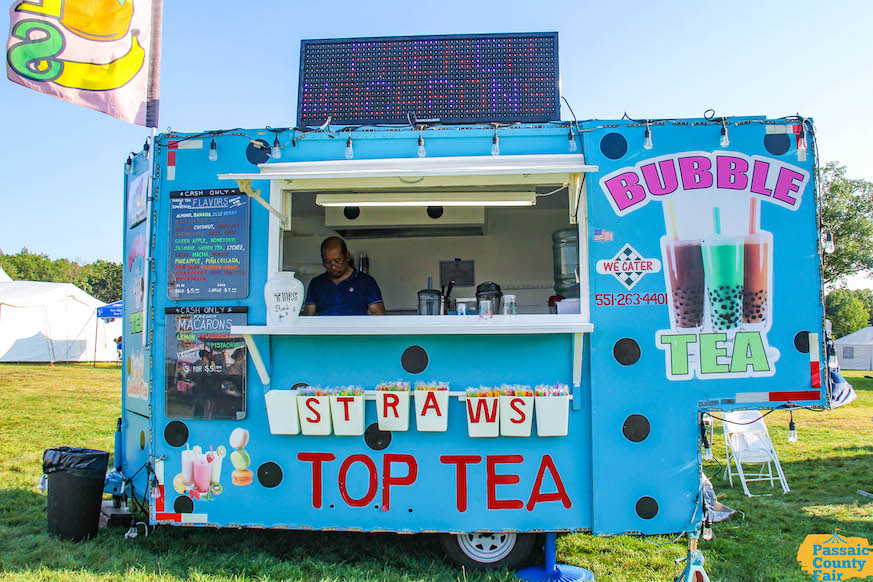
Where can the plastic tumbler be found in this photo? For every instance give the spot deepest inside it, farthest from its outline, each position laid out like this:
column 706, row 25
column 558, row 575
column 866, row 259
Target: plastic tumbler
column 510, row 307
column 485, row 309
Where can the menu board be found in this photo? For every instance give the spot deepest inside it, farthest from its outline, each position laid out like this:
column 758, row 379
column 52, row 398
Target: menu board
column 209, row 244
column 206, row 366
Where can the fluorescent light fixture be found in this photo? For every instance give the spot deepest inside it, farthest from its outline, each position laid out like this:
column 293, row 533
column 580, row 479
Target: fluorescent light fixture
column 428, row 199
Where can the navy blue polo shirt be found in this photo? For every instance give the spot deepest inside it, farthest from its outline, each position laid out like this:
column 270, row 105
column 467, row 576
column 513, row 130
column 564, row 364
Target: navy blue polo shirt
column 352, row 296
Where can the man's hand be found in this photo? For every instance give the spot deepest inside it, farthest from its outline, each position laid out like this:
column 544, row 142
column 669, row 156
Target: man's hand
column 377, row 308
column 308, row 309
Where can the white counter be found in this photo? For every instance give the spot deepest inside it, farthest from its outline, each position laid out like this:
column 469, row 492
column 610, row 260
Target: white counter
column 423, row 325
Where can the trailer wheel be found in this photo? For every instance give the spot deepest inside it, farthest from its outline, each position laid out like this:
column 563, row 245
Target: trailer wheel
column 488, row 551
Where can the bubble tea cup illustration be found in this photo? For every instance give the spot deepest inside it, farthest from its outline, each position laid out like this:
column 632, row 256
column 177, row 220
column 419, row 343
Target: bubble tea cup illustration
column 723, row 258
column 683, row 263
column 756, row 273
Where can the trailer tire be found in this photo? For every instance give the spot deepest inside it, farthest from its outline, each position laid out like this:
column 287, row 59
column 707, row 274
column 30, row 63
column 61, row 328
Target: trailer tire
column 488, row 551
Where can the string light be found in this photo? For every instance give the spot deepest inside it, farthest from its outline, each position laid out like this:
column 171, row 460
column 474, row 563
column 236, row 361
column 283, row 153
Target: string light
column 792, row 430
column 213, row 152
column 571, row 137
column 350, row 152
column 725, row 142
column 647, row 135
column 276, row 152
column 801, row 143
column 829, row 246
column 421, row 151
column 495, row 144
column 128, row 165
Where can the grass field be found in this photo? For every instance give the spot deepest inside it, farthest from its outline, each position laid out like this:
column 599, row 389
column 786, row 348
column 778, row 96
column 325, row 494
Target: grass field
column 43, row 407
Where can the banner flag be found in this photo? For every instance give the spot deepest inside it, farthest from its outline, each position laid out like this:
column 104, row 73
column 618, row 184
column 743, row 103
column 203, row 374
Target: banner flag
column 103, row 54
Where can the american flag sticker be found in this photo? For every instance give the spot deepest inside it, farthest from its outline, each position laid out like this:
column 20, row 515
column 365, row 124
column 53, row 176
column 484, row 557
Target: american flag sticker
column 601, row 235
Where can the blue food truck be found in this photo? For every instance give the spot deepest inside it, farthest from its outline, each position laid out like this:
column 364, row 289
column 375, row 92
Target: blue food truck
column 631, row 271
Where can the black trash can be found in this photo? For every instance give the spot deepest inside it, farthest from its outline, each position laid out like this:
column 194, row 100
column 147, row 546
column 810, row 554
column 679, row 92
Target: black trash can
column 75, row 490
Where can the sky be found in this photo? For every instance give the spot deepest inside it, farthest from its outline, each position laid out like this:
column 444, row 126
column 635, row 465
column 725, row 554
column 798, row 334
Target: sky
column 227, row 64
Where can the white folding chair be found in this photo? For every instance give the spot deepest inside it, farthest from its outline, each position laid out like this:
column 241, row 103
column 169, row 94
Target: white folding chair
column 746, row 440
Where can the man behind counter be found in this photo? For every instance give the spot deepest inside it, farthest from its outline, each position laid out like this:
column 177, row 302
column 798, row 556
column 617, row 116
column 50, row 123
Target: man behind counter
column 341, row 289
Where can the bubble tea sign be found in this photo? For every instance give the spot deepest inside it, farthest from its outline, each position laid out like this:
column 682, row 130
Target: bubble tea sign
column 718, row 263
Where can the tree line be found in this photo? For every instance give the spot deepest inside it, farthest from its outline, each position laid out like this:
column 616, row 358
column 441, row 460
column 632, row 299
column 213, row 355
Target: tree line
column 102, row 279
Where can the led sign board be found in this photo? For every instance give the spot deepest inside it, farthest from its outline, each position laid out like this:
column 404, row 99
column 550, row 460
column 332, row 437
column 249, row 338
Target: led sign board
column 429, row 79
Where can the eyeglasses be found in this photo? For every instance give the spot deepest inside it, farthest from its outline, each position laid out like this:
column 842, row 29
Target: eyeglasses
column 337, row 261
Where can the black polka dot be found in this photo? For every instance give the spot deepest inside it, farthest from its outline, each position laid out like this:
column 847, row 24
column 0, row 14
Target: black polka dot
column 176, row 433
column 142, row 441
column 183, row 504
column 777, row 143
column 258, row 154
column 636, row 428
column 270, row 474
column 414, row 359
column 434, row 211
column 626, row 351
column 377, row 439
column 613, row 146
column 801, row 342
column 647, row 508
column 351, row 212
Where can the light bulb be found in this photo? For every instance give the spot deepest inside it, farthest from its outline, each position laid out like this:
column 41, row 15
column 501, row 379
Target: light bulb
column 707, row 453
column 792, row 430
column 801, row 143
column 128, row 165
column 276, row 151
column 145, row 148
column 647, row 142
column 421, row 151
column 495, row 145
column 571, row 137
column 725, row 142
column 213, row 152
column 350, row 152
column 829, row 244
column 707, row 530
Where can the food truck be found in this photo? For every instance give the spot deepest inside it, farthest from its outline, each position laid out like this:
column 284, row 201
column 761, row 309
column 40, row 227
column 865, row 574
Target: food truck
column 640, row 273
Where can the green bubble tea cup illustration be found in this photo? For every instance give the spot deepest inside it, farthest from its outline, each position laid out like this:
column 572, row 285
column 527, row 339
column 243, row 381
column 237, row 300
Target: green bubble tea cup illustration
column 723, row 272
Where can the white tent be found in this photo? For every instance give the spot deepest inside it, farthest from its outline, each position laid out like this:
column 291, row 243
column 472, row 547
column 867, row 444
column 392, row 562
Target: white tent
column 855, row 351
column 53, row 322
column 4, row 278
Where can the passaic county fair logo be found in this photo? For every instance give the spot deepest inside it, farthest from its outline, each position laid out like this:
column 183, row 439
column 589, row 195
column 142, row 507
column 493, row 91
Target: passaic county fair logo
column 833, row 557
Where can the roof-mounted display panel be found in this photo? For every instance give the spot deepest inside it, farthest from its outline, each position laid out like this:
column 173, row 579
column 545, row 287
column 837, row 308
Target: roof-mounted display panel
column 429, row 79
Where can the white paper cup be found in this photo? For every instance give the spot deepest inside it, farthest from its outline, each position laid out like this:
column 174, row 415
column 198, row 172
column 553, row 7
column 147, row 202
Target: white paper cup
column 282, row 411
column 431, row 410
column 314, row 415
column 347, row 413
column 553, row 415
column 392, row 410
column 516, row 415
column 483, row 416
